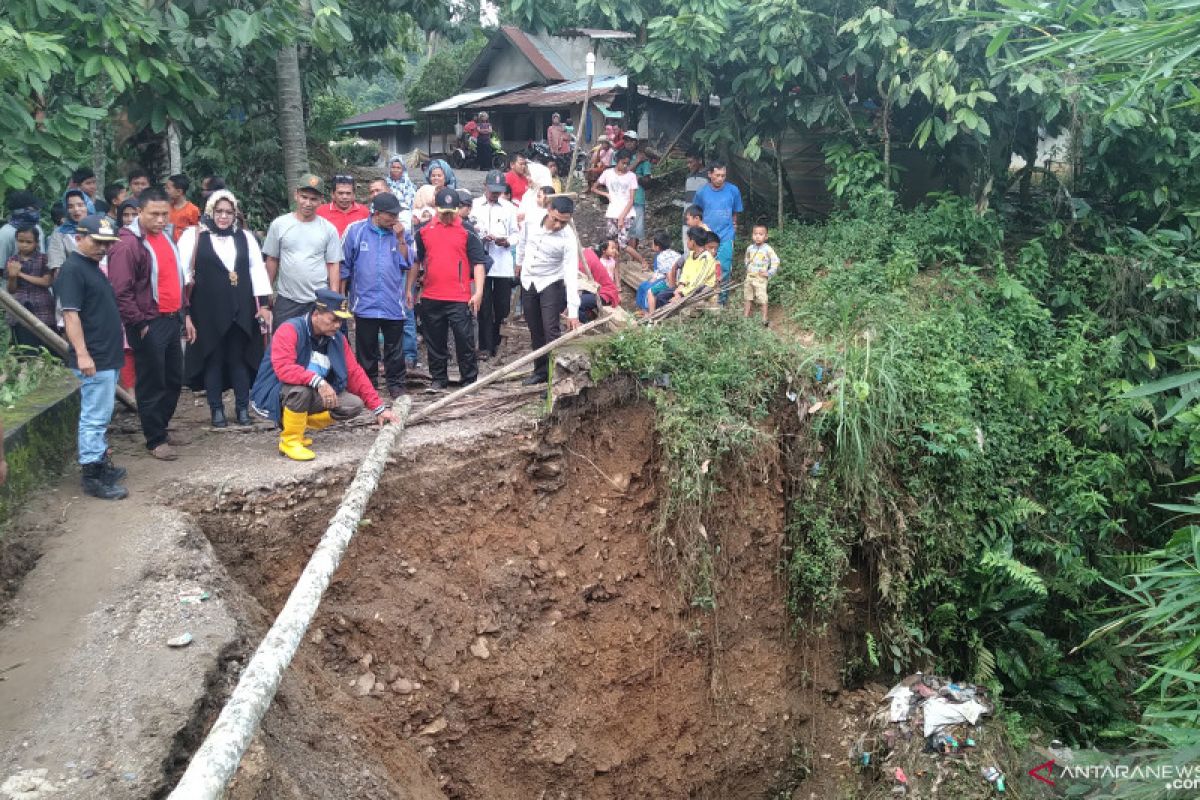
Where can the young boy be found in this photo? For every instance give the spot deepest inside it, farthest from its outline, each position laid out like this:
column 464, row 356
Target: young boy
column 665, row 262
column 761, row 265
column 698, row 270
column 712, row 244
column 693, row 217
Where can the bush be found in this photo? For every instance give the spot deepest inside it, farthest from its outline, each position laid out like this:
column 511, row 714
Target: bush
column 357, row 152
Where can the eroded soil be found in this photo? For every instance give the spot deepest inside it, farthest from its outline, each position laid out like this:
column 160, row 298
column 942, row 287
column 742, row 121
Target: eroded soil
column 501, row 628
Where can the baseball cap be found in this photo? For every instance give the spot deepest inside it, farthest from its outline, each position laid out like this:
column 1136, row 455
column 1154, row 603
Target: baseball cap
column 464, row 197
column 385, row 203
column 97, row 226
column 310, row 182
column 631, row 134
column 446, row 200
column 329, row 300
column 495, row 181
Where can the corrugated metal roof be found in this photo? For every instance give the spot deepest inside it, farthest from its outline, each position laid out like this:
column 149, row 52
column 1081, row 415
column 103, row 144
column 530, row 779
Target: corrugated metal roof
column 473, row 96
column 544, row 60
column 558, row 94
column 392, row 112
column 598, row 33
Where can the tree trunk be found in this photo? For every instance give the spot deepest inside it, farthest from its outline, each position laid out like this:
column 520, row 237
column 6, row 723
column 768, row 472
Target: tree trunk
column 290, row 109
column 174, row 157
column 779, row 176
column 886, row 133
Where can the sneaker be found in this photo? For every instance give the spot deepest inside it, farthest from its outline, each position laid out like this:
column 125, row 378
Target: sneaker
column 112, row 473
column 397, row 392
column 164, row 452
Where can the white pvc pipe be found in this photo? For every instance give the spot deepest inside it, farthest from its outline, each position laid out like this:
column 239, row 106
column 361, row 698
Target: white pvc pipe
column 213, row 765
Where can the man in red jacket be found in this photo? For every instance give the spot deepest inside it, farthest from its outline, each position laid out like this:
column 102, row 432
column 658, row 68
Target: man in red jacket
column 313, row 378
column 452, row 262
column 147, row 277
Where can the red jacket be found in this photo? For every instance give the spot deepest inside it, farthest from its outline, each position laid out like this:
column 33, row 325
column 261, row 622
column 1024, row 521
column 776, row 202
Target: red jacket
column 283, row 360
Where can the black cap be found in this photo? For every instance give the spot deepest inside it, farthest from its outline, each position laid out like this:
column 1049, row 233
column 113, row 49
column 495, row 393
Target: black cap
column 495, row 181
column 19, row 199
column 97, row 226
column 385, row 203
column 446, row 200
column 464, row 198
column 329, row 300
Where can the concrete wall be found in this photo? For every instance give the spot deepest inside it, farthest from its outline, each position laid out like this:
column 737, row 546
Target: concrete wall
column 511, row 66
column 572, row 52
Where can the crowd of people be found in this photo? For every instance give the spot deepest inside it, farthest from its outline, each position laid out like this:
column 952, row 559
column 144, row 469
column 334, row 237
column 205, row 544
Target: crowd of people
column 155, row 292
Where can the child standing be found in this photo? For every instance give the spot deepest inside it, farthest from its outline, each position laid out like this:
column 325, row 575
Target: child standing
column 665, row 262
column 761, row 265
column 29, row 280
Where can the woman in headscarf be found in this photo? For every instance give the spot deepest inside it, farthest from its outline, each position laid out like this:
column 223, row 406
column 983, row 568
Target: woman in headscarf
column 228, row 291
column 399, row 184
column 62, row 240
column 438, row 174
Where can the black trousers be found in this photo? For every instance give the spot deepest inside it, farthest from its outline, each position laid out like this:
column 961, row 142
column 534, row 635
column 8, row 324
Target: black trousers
column 285, row 309
column 542, row 312
column 158, row 358
column 228, row 359
column 440, row 318
column 366, row 345
column 497, row 301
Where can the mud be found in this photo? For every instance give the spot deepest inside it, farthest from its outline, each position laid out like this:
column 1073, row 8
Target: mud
column 501, row 628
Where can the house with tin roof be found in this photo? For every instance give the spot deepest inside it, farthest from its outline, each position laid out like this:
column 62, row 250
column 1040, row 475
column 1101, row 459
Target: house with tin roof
column 391, row 125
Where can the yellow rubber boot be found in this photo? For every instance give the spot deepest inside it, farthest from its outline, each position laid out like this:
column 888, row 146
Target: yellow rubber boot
column 291, row 436
column 317, row 422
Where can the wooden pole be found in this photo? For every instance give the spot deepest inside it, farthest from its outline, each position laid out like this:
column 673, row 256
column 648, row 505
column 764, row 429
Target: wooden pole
column 667, row 150
column 587, row 96
column 53, row 341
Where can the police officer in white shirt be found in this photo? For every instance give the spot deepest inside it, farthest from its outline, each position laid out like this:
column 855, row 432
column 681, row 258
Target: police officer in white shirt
column 550, row 280
column 495, row 221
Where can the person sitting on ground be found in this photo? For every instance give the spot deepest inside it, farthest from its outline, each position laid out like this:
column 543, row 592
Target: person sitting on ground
column 698, row 270
column 375, row 259
column 229, row 297
column 400, row 185
column 549, row 274
column 665, row 262
column 29, row 280
column 312, row 378
column 596, row 285
column 761, row 265
column 93, row 326
column 184, row 213
column 62, row 240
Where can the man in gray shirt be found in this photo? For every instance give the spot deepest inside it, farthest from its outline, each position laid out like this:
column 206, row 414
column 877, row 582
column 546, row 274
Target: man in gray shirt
column 304, row 252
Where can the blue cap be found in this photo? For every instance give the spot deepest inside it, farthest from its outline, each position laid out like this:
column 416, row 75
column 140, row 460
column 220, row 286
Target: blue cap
column 329, row 300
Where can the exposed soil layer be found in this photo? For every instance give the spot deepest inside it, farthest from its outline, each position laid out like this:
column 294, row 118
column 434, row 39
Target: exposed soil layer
column 500, row 628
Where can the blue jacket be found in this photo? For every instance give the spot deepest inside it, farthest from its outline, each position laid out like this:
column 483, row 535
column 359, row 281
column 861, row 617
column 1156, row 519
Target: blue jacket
column 375, row 267
column 264, row 395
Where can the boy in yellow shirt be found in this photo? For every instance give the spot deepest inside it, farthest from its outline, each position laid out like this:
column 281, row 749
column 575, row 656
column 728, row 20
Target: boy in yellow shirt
column 761, row 265
column 697, row 270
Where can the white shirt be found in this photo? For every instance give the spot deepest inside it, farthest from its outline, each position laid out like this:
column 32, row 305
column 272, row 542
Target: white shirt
column 551, row 256
column 620, row 191
column 499, row 221
column 539, row 175
column 226, row 249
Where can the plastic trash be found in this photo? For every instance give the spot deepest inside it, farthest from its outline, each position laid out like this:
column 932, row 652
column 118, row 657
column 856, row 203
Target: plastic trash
column 182, row 640
column 193, row 597
column 994, row 776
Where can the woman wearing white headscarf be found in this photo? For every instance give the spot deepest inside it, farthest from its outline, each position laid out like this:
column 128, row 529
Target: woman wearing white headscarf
column 229, row 292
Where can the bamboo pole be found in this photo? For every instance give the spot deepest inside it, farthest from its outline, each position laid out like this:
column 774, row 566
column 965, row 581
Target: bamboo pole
column 215, row 762
column 587, row 96
column 52, row 339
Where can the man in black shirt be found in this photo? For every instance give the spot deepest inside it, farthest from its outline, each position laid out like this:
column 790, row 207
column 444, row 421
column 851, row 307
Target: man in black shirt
column 94, row 331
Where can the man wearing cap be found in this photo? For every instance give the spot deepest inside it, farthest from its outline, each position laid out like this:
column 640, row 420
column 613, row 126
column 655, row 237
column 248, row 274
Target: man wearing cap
column 93, row 326
column 313, row 379
column 374, row 262
column 550, row 280
column 303, row 252
column 344, row 209
column 496, row 222
column 453, row 265
column 24, row 210
column 148, row 278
